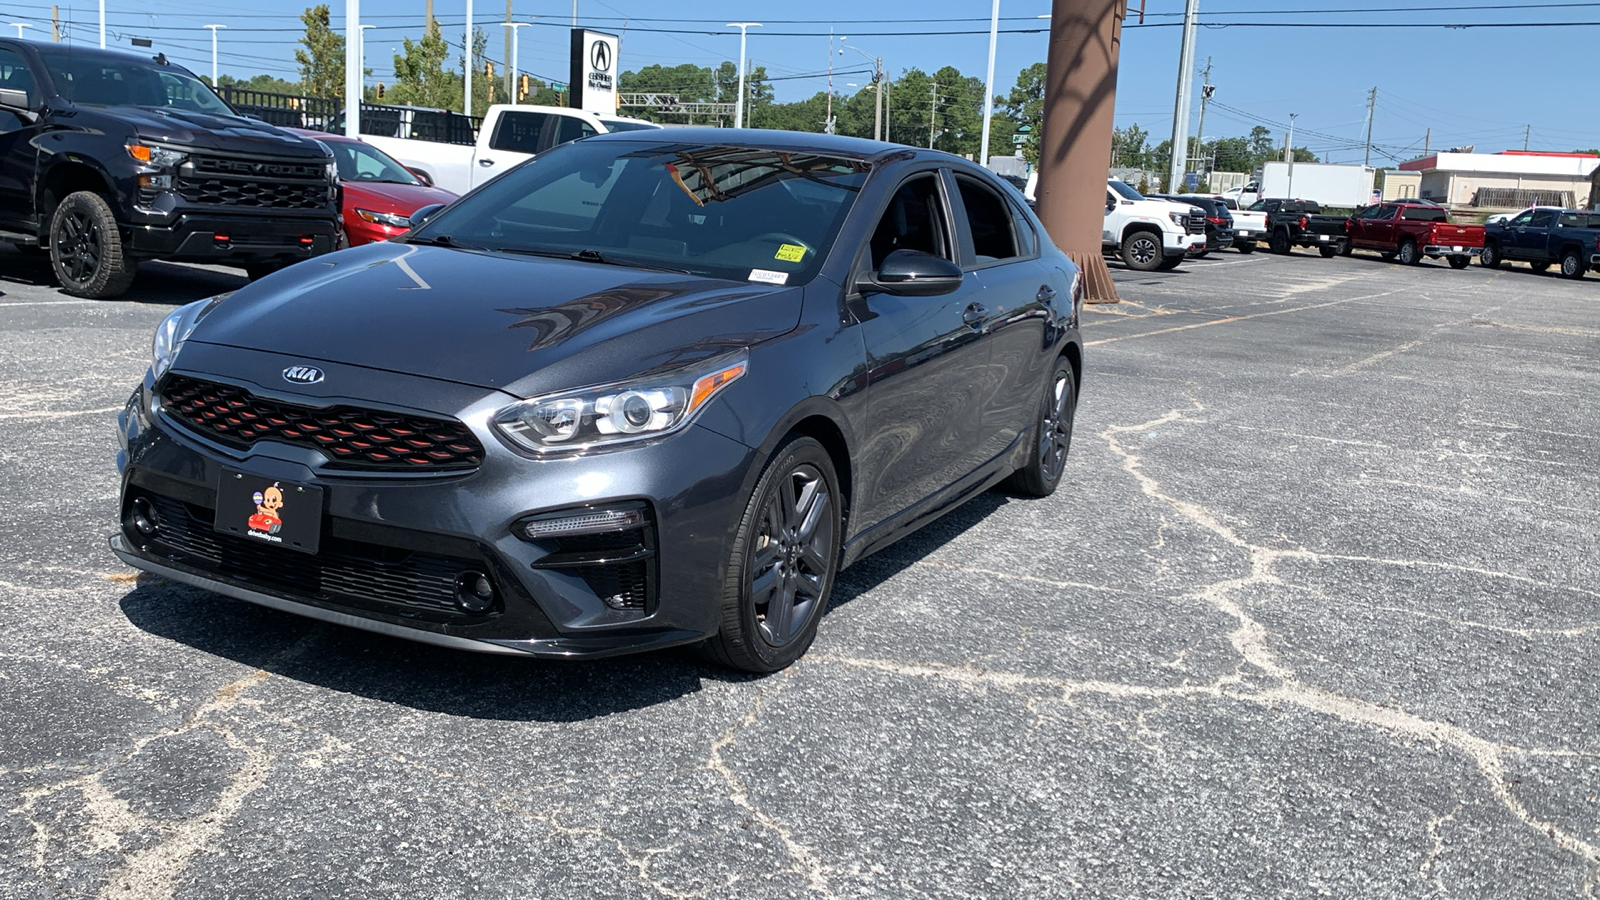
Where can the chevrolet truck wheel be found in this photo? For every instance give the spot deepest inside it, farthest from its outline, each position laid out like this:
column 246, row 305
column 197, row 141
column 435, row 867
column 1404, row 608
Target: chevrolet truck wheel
column 86, row 248
column 1491, row 256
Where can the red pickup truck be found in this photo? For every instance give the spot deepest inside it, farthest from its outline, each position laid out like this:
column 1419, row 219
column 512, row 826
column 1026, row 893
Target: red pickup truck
column 1411, row 231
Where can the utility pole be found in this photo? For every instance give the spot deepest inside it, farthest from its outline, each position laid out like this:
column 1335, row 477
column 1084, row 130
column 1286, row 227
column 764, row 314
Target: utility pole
column 738, row 104
column 1180, row 112
column 102, row 24
column 933, row 112
column 1206, row 90
column 988, row 85
column 55, row 24
column 429, row 16
column 1427, row 141
column 1372, row 103
column 466, row 84
column 511, row 52
column 1527, row 132
column 877, row 101
column 827, row 118
column 1291, row 153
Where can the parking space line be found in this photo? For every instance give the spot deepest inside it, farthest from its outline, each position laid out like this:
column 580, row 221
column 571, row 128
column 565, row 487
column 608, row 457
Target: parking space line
column 1231, row 319
column 4, row 303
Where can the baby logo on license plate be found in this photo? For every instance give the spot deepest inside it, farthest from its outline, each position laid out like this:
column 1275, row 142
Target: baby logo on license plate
column 268, row 510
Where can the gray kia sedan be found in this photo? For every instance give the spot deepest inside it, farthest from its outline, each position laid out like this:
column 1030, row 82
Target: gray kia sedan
column 647, row 389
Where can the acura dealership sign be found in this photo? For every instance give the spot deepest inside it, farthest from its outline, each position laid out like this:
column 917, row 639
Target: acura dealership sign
column 594, row 71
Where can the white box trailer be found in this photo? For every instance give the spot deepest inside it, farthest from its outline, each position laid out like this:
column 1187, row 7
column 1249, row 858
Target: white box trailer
column 1342, row 187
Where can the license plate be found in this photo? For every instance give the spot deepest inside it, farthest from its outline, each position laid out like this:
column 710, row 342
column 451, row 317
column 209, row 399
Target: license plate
column 1243, row 233
column 280, row 513
column 1456, row 249
column 1322, row 237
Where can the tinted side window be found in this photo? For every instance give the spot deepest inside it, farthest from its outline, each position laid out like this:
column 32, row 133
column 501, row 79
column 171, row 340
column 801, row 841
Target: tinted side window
column 989, row 220
column 915, row 220
column 1385, row 213
column 1542, row 218
column 518, row 132
column 14, row 74
column 1419, row 214
column 1521, row 219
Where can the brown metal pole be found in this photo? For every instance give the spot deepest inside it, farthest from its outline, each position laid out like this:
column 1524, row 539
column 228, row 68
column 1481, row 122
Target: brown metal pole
column 1079, row 101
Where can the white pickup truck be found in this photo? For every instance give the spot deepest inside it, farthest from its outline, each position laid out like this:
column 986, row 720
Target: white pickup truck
column 1145, row 233
column 509, row 135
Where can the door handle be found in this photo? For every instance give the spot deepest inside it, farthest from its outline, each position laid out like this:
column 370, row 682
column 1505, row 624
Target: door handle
column 485, row 162
column 975, row 315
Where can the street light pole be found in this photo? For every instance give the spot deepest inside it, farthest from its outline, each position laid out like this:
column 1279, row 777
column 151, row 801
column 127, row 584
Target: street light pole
column 102, row 24
column 352, row 68
column 1179, row 161
column 515, row 51
column 988, row 84
column 1290, row 154
column 738, row 104
column 361, row 70
column 21, row 25
column 877, row 89
column 213, row 52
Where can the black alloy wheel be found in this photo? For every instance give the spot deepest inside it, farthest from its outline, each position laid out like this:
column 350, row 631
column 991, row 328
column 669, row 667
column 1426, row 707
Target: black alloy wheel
column 1490, row 258
column 785, row 557
column 1409, row 255
column 86, row 248
column 1280, row 242
column 1048, row 458
column 1572, row 264
column 1142, row 251
column 1460, row 262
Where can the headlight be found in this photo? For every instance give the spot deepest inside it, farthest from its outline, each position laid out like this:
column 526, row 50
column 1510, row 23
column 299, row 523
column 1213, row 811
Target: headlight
column 1177, row 219
column 613, row 414
column 175, row 329
column 156, row 156
column 382, row 218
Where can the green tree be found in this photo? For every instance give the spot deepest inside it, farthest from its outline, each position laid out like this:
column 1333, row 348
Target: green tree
column 1129, row 146
column 321, row 58
column 1024, row 105
column 270, row 83
column 420, row 76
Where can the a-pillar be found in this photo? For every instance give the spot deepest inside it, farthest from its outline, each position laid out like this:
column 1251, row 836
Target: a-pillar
column 1080, row 99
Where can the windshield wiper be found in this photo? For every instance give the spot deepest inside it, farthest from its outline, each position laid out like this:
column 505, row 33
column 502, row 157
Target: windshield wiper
column 594, row 256
column 442, row 240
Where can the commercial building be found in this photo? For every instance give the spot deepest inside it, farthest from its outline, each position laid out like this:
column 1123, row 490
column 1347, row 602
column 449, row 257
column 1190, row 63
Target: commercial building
column 1511, row 179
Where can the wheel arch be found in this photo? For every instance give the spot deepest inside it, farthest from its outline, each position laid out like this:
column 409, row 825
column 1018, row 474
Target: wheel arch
column 62, row 179
column 1135, row 227
column 820, row 419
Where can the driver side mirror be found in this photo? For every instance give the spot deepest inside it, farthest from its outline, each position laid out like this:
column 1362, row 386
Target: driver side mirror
column 17, row 101
column 425, row 213
column 1111, row 205
column 912, row 273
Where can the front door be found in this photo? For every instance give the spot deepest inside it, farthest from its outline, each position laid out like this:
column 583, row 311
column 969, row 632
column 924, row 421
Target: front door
column 19, row 159
column 517, row 135
column 924, row 399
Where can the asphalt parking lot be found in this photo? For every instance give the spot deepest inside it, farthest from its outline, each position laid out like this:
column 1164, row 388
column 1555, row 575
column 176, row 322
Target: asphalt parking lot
column 1316, row 612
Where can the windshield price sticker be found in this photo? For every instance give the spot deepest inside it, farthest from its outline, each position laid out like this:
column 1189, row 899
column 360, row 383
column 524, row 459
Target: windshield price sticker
column 791, row 253
column 767, row 276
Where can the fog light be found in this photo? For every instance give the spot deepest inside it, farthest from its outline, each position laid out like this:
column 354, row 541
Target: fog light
column 587, row 521
column 474, row 592
column 144, row 517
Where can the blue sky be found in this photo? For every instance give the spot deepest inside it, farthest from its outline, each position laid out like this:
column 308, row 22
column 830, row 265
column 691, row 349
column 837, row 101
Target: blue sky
column 1478, row 85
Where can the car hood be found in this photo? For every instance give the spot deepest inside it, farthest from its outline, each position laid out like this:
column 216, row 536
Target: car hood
column 204, row 131
column 403, row 199
column 523, row 325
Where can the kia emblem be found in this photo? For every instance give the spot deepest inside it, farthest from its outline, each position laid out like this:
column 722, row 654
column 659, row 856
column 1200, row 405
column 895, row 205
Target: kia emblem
column 302, row 374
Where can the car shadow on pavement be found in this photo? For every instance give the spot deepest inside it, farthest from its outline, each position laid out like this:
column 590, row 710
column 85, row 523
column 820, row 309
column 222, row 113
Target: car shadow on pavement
column 168, row 284
column 474, row 685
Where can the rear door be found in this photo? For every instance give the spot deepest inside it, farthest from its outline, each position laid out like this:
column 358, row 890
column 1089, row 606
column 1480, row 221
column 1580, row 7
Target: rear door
column 925, row 359
column 516, row 135
column 1380, row 228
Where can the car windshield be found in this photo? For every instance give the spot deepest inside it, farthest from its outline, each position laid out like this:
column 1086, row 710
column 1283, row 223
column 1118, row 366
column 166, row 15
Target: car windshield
column 1128, row 193
column 103, row 80
column 615, row 125
column 364, row 162
column 742, row 213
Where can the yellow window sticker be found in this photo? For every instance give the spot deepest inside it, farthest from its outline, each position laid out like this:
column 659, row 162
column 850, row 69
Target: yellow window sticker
column 791, row 253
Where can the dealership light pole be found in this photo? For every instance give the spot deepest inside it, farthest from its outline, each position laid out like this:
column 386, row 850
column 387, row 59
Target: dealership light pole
column 738, row 105
column 214, row 29
column 988, row 84
column 21, row 25
column 466, row 92
column 1290, row 154
column 361, row 70
column 352, row 68
column 102, row 24
column 514, row 26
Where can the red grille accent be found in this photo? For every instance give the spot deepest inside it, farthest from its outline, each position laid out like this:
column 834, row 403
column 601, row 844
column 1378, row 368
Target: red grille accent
column 231, row 415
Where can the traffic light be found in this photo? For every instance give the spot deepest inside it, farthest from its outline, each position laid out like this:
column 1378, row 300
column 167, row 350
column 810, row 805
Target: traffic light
column 488, row 69
column 524, row 86
column 380, row 90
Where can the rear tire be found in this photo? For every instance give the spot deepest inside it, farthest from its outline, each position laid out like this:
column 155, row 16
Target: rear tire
column 1460, row 262
column 1490, row 258
column 1053, row 440
column 1141, row 250
column 1540, row 266
column 1280, row 242
column 86, row 248
column 1409, row 255
column 1245, row 246
column 1328, row 252
column 1572, row 265
column 783, row 561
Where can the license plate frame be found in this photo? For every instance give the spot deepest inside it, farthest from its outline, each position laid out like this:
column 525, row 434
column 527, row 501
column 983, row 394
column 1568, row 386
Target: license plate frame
column 275, row 512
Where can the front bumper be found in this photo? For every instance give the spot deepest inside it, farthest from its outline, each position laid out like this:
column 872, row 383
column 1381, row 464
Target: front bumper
column 1451, row 250
column 194, row 237
column 392, row 547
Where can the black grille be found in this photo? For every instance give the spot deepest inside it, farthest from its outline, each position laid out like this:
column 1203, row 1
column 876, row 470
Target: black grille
column 261, row 184
column 347, row 572
column 1196, row 224
column 350, row 437
column 211, row 165
column 618, row 566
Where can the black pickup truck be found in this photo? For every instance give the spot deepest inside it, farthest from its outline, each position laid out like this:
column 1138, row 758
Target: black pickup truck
column 1300, row 223
column 1544, row 235
column 108, row 158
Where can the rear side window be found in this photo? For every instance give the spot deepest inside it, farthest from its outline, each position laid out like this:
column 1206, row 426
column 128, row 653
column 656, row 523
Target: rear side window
column 519, row 132
column 1579, row 220
column 1420, row 214
column 990, row 221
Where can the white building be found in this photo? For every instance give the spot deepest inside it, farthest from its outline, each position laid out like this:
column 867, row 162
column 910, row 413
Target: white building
column 1511, row 179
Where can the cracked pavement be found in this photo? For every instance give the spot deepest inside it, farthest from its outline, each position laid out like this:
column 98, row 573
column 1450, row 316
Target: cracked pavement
column 1316, row 612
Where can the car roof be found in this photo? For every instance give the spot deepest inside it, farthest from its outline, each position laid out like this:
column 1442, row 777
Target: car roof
column 829, row 144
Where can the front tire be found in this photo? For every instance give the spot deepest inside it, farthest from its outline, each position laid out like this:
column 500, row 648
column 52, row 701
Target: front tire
column 1280, row 242
column 1141, row 250
column 1053, row 440
column 1572, row 265
column 784, row 559
column 1490, row 258
column 86, row 248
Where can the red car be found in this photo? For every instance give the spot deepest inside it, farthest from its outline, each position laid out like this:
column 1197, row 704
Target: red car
column 380, row 194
